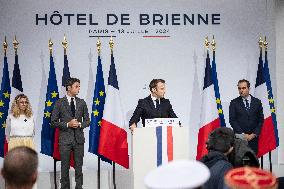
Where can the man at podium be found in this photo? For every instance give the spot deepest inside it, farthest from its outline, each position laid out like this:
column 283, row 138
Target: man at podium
column 153, row 106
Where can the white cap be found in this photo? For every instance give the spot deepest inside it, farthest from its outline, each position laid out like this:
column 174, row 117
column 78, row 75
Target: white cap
column 178, row 174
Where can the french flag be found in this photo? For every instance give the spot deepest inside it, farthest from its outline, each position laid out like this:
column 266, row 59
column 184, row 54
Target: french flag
column 113, row 137
column 17, row 85
column 209, row 114
column 164, row 136
column 268, row 138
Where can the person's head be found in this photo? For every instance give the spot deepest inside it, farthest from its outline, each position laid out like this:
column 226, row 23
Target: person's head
column 222, row 140
column 250, row 177
column 157, row 88
column 21, row 105
column 73, row 86
column 20, row 167
column 244, row 87
column 187, row 174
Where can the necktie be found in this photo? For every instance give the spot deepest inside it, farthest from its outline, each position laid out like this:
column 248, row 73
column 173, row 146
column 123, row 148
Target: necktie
column 158, row 108
column 247, row 104
column 72, row 104
column 157, row 104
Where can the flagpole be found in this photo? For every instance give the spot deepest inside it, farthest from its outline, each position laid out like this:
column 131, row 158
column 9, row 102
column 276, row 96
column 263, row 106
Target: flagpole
column 113, row 175
column 5, row 46
column 16, row 44
column 111, row 43
column 260, row 44
column 265, row 44
column 50, row 44
column 99, row 159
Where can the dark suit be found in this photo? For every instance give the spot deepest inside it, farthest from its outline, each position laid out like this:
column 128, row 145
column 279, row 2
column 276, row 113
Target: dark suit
column 146, row 110
column 70, row 138
column 248, row 122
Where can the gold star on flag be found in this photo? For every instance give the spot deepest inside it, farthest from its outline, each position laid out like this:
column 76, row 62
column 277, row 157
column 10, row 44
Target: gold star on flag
column 96, row 113
column 4, row 125
column 100, row 123
column 49, row 103
column 218, row 101
column 97, row 102
column 6, row 95
column 1, row 103
column 271, row 100
column 47, row 114
column 54, row 94
column 220, row 111
column 101, row 93
column 1, row 114
column 272, row 110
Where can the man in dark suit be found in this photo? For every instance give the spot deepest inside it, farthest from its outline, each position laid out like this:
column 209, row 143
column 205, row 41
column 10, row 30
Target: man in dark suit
column 153, row 106
column 246, row 115
column 70, row 115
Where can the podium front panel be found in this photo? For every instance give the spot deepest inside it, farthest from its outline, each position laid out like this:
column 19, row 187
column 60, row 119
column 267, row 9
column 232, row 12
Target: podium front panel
column 145, row 150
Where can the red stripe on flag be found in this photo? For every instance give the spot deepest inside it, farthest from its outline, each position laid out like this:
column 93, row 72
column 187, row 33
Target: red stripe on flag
column 113, row 143
column 56, row 154
column 267, row 140
column 170, row 143
column 5, row 147
column 203, row 134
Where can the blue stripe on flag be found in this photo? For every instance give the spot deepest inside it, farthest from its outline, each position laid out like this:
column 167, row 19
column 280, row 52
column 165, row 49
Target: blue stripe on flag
column 112, row 79
column 159, row 145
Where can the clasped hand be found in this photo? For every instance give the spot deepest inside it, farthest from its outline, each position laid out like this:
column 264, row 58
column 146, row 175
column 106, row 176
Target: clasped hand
column 73, row 123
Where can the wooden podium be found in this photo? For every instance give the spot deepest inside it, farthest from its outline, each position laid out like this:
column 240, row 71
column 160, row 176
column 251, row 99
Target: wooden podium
column 146, row 144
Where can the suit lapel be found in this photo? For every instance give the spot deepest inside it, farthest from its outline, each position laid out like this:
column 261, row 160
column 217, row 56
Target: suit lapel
column 77, row 106
column 66, row 105
column 252, row 103
column 151, row 103
column 242, row 104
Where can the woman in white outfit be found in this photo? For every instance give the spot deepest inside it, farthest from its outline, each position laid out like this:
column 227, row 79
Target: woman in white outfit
column 20, row 129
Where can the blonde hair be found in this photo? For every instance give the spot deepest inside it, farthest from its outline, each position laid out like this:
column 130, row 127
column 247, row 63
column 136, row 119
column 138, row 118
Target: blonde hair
column 15, row 110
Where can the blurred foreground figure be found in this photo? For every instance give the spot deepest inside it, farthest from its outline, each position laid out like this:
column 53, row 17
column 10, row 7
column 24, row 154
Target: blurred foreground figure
column 178, row 174
column 250, row 178
column 20, row 168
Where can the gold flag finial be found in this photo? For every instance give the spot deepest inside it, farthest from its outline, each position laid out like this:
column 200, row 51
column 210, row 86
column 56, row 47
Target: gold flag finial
column 16, row 44
column 213, row 44
column 111, row 43
column 265, row 43
column 5, row 46
column 99, row 46
column 64, row 44
column 260, row 43
column 50, row 44
column 207, row 43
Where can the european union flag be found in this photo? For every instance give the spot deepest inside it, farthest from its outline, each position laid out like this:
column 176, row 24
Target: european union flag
column 47, row 132
column 217, row 92
column 4, row 104
column 97, row 112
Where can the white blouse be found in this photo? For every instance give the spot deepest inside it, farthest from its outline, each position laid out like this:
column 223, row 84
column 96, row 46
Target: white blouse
column 21, row 126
